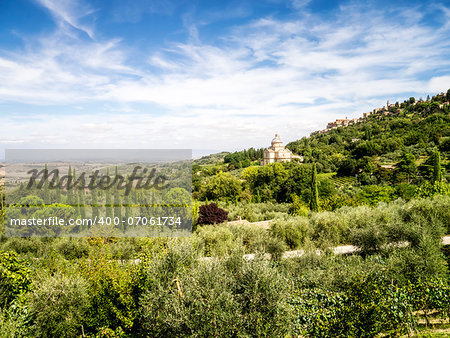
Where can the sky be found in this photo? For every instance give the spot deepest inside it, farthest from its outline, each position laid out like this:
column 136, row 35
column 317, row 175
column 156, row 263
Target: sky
column 208, row 75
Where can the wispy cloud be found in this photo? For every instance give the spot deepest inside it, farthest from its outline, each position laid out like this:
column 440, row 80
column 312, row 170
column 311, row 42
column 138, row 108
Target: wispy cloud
column 69, row 12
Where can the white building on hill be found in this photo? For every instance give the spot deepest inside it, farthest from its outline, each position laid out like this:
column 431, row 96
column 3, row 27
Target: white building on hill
column 278, row 153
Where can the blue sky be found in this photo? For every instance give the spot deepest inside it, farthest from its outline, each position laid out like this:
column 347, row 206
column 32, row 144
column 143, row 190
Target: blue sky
column 208, row 75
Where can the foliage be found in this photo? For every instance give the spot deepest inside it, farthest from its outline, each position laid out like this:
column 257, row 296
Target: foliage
column 73, row 248
column 297, row 207
column 14, row 276
column 406, row 167
column 255, row 212
column 177, row 197
column 275, row 247
column 242, row 159
column 214, row 240
column 429, row 189
column 111, row 292
column 373, row 194
column 58, row 306
column 364, row 307
column 314, row 202
column 212, row 214
column 437, row 170
column 292, row 231
column 230, row 297
column 222, row 186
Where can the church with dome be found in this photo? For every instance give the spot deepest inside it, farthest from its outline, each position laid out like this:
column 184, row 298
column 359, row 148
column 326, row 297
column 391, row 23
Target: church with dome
column 278, row 153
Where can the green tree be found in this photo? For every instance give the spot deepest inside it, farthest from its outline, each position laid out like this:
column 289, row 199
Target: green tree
column 128, row 212
column 81, row 204
column 406, row 167
column 117, row 199
column 57, row 189
column 297, row 207
column 108, row 200
column 177, row 197
column 46, row 192
column 437, row 170
column 314, row 203
column 222, row 186
column 94, row 203
column 70, row 197
column 117, row 205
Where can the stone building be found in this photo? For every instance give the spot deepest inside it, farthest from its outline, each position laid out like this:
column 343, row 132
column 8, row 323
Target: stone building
column 278, row 153
column 338, row 123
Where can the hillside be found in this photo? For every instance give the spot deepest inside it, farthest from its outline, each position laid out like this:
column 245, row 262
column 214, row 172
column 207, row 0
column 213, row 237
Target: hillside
column 416, row 127
column 389, row 153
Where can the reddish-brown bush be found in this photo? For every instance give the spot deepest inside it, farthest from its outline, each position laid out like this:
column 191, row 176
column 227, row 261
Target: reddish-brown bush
column 212, row 214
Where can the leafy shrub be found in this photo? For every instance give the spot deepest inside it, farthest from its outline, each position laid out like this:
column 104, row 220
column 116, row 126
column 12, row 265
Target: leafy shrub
column 370, row 227
column 430, row 295
column 111, row 290
column 251, row 238
column 20, row 245
column 297, row 207
column 370, row 239
column 330, row 227
column 262, row 295
column 212, row 214
column 364, row 307
column 429, row 189
column 229, row 297
column 433, row 213
column 14, row 321
column 14, row 276
column 411, row 264
column 275, row 247
column 373, row 194
column 255, row 212
column 335, row 202
column 73, row 248
column 58, row 305
column 196, row 302
column 293, row 231
column 214, row 240
column 124, row 248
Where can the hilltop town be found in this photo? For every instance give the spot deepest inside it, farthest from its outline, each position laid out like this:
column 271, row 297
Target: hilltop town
column 388, row 109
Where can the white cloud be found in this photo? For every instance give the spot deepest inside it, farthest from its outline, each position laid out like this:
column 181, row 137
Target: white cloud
column 71, row 13
column 269, row 75
column 439, row 83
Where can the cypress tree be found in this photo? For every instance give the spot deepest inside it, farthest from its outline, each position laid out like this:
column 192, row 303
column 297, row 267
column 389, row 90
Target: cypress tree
column 127, row 211
column 94, row 203
column 46, row 192
column 76, row 195
column 57, row 188
column 81, row 204
column 108, row 204
column 117, row 205
column 314, row 203
column 70, row 200
column 117, row 200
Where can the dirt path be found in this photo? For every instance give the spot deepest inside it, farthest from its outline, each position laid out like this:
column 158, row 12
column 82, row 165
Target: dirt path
column 338, row 250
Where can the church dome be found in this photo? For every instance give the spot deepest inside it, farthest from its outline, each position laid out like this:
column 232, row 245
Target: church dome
column 276, row 139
